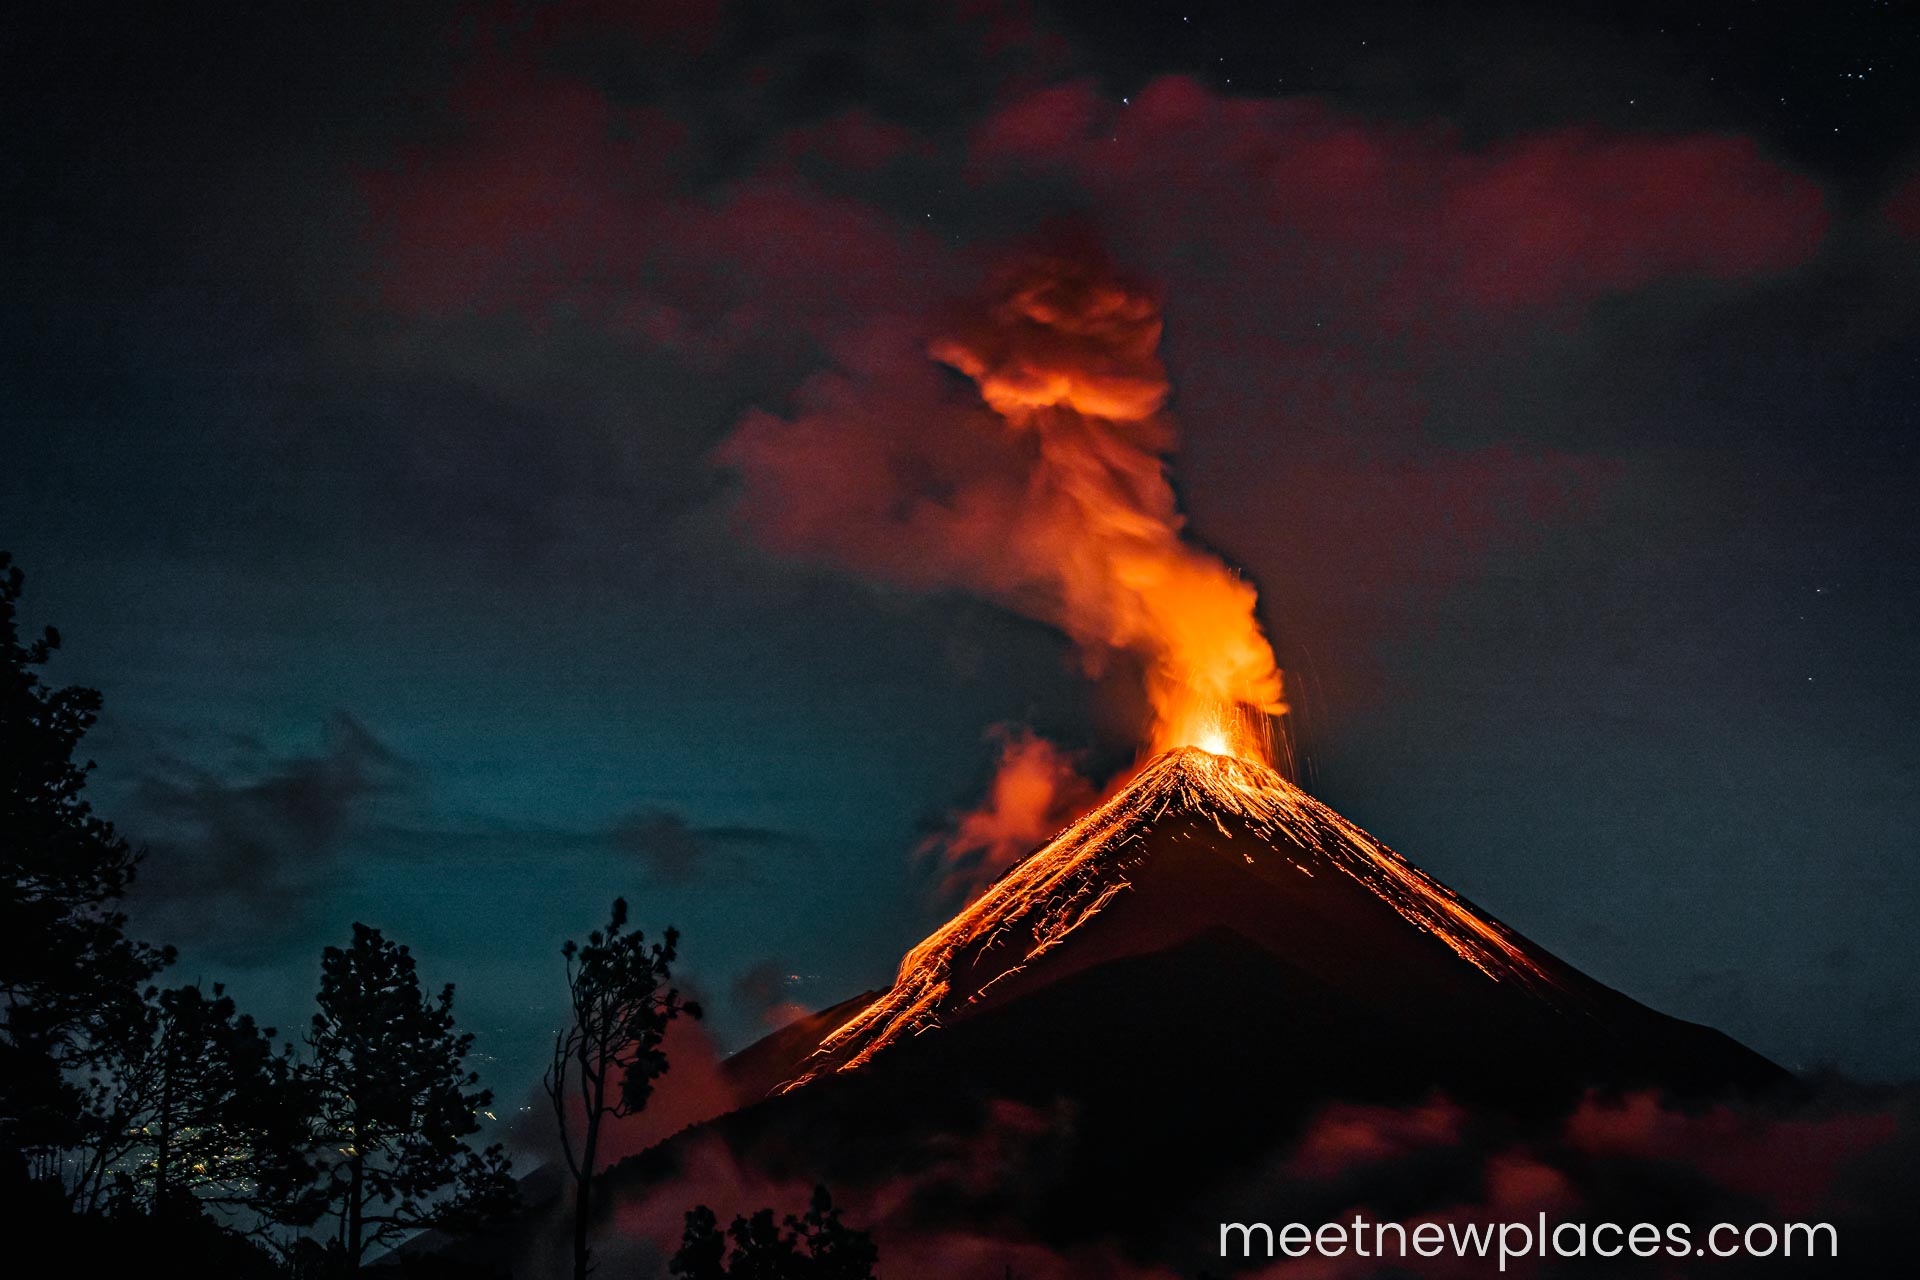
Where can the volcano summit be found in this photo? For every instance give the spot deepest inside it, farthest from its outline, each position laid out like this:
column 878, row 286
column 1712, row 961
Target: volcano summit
column 1346, row 966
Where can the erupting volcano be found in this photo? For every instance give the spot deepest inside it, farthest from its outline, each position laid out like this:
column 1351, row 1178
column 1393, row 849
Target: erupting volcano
column 1208, row 878
column 1191, row 969
column 1067, row 884
column 1321, row 929
column 1168, row 996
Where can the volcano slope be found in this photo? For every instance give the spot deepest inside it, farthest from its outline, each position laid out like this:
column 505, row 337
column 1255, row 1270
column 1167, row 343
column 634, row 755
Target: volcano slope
column 1331, row 948
column 1183, row 977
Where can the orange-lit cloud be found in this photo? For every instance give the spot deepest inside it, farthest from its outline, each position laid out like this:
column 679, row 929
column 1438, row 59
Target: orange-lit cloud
column 1337, row 282
column 1036, row 790
column 1054, row 502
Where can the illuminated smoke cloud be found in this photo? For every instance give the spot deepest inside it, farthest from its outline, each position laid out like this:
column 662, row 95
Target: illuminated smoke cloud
column 1053, row 501
column 1036, row 790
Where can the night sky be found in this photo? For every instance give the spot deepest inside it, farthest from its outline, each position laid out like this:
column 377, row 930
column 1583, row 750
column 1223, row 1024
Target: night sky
column 1555, row 377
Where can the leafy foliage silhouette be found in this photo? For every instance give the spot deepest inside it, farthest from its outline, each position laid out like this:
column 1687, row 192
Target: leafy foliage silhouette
column 197, row 1108
column 610, row 1055
column 817, row 1245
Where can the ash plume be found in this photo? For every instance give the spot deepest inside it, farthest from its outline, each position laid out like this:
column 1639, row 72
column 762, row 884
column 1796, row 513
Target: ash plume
column 1043, row 488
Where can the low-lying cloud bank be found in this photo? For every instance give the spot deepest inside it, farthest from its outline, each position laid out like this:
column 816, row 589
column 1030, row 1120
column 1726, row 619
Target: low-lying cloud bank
column 977, row 1204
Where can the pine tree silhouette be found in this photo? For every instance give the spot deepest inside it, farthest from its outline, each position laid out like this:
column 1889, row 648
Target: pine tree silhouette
column 395, row 1101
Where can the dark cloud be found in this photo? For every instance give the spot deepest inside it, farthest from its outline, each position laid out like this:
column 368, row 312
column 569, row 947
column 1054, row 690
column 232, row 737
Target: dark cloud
column 761, row 985
column 1636, row 1158
column 238, row 858
column 1902, row 208
column 1337, row 286
column 677, row 853
column 769, row 994
column 975, row 1200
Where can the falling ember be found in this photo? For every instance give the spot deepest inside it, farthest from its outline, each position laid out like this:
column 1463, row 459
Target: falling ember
column 1218, row 728
column 1054, row 502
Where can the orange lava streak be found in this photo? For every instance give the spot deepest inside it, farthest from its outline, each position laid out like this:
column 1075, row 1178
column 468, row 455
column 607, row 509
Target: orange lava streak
column 1071, row 878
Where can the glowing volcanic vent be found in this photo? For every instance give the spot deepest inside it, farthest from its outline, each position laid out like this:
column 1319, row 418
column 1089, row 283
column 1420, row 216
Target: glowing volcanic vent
column 1048, row 494
column 1186, row 805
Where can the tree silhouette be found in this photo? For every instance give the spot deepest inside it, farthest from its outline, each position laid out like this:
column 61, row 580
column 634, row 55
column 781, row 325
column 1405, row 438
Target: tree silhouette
column 610, row 1054
column 69, row 976
column 395, row 1101
column 814, row 1246
column 197, row 1107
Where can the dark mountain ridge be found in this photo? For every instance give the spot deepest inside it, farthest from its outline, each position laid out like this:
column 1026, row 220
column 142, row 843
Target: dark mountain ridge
column 1165, row 997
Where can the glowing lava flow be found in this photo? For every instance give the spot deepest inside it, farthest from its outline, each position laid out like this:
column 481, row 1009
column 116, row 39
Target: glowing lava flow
column 1043, row 899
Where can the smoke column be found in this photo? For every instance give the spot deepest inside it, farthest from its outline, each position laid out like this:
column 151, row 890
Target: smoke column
column 1056, row 503
column 1045, row 491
